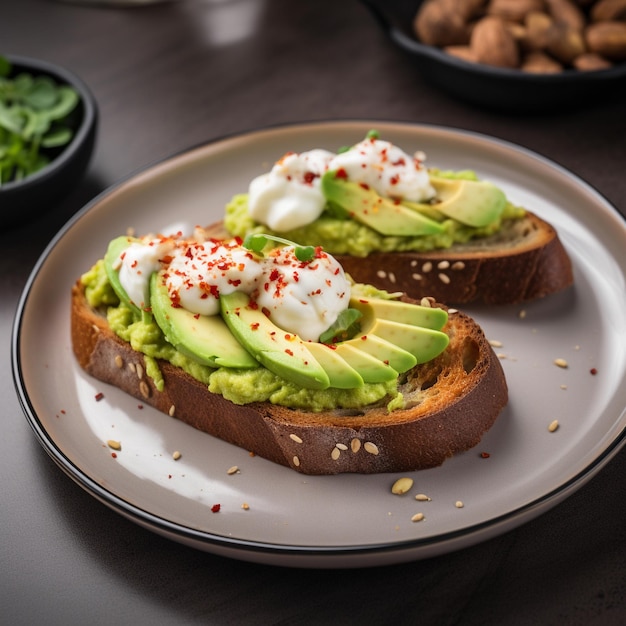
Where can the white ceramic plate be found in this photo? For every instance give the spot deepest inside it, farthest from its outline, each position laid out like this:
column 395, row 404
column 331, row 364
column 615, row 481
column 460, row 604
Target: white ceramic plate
column 346, row 520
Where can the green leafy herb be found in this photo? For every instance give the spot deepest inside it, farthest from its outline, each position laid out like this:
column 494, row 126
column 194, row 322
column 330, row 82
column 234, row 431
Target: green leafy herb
column 345, row 327
column 34, row 114
column 256, row 243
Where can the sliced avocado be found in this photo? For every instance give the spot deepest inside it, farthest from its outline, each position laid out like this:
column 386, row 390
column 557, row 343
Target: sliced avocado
column 283, row 353
column 340, row 374
column 205, row 339
column 424, row 343
column 115, row 249
column 472, row 202
column 385, row 351
column 381, row 214
column 371, row 369
column 398, row 311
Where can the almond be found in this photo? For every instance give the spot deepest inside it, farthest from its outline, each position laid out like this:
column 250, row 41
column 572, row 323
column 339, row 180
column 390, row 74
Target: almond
column 538, row 30
column 434, row 25
column 539, row 62
column 493, row 44
column 590, row 61
column 608, row 11
column 566, row 12
column 566, row 43
column 514, row 10
column 608, row 39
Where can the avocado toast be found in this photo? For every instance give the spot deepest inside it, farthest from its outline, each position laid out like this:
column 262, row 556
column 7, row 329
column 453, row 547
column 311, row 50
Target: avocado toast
column 394, row 223
column 390, row 384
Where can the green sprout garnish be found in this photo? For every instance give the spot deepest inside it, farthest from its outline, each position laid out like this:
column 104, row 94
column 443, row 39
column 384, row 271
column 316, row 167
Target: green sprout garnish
column 33, row 118
column 345, row 327
column 256, row 242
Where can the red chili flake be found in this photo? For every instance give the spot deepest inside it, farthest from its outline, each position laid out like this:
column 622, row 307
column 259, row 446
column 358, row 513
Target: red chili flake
column 196, row 316
column 274, row 274
column 255, row 326
column 484, row 455
column 364, row 338
column 289, row 352
column 99, row 396
column 189, row 253
column 140, row 406
column 593, row 371
column 400, row 161
column 62, row 411
column 309, row 177
column 341, row 173
column 394, row 180
column 114, row 455
column 364, row 186
column 216, row 508
column 265, row 311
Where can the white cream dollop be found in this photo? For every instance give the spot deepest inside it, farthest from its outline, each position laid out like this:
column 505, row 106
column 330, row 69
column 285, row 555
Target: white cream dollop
column 199, row 273
column 304, row 298
column 301, row 297
column 387, row 169
column 290, row 195
column 137, row 263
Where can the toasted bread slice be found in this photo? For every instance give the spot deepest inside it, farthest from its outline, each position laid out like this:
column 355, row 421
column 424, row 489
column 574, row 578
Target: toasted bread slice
column 524, row 261
column 450, row 403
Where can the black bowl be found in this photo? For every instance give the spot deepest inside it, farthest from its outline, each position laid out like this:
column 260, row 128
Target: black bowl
column 33, row 195
column 493, row 87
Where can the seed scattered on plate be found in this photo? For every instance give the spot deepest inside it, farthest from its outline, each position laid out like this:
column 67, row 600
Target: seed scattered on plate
column 402, row 485
column 422, row 497
column 561, row 363
column 233, row 470
column 554, row 425
column 458, row 504
column 245, row 506
column 418, row 517
column 495, row 343
column 176, row 455
column 114, row 445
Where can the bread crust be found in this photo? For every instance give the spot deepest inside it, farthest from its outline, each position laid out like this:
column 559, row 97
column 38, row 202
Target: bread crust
column 452, row 401
column 524, row 261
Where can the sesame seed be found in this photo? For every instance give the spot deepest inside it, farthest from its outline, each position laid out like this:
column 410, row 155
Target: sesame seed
column 114, row 445
column 458, row 265
column 495, row 343
column 553, row 426
column 341, row 446
column 132, row 368
column 296, row 461
column 334, row 455
column 443, row 265
column 381, row 273
column 458, row 504
column 176, row 455
column 355, row 445
column 401, row 486
column 416, row 276
column 444, row 278
column 413, row 263
column 144, row 389
column 427, row 267
column 139, row 371
column 119, row 361
column 425, row 302
column 392, row 278
column 233, row 470
column 450, row 311
column 418, row 517
column 245, row 506
column 370, row 447
column 172, row 411
column 522, row 314
column 422, row 497
column 295, row 438
column 561, row 363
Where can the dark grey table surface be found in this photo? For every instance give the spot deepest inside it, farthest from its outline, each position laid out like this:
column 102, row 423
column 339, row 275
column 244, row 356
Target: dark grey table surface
column 169, row 76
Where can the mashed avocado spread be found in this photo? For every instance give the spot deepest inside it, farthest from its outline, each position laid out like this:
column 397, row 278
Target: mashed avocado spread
column 341, row 235
column 237, row 385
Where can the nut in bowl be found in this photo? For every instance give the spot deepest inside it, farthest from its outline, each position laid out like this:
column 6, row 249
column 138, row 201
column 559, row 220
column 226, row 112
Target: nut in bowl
column 48, row 121
column 516, row 55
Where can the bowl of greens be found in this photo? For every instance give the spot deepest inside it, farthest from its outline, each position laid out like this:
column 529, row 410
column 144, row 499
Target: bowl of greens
column 48, row 120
